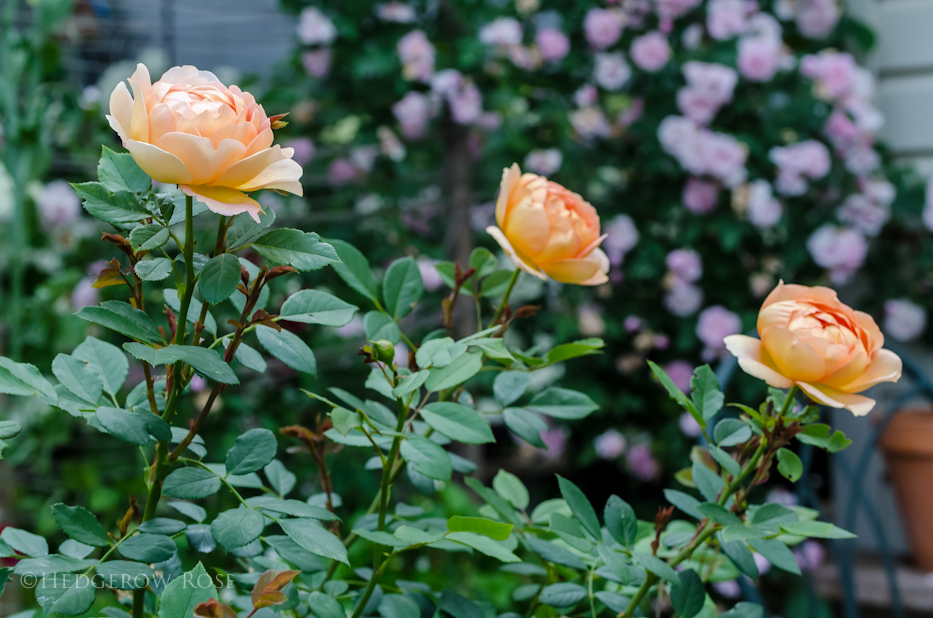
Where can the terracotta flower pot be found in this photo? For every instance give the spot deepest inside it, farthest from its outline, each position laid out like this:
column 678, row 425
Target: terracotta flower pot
column 907, row 444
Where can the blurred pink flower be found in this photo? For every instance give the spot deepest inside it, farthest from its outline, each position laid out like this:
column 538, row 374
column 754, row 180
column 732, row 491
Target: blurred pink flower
column 817, row 18
column 700, row 196
column 650, row 52
column 672, row 9
column 466, row 105
column 58, row 204
column 683, row 299
column 641, row 463
column 763, row 564
column 903, row 319
column 762, row 209
column 634, row 112
column 544, row 162
column 413, row 113
column 840, row 129
column 680, row 372
column 610, row 444
column 726, row 18
column 810, row 555
column 864, row 214
column 315, row 28
column 304, row 150
column 586, row 96
column 552, row 44
column 686, row 264
column 341, row 172
column 603, row 27
column 835, row 73
column 622, row 236
column 417, row 55
column 632, row 323
column 715, row 324
column 806, row 159
column 555, row 439
column 689, row 425
column 862, row 159
column 611, row 71
column 197, row 383
column 316, row 62
column 501, row 32
column 589, row 123
column 729, row 589
column 759, row 58
column 351, row 330
column 781, row 496
column 83, row 295
column 841, row 250
column 397, row 12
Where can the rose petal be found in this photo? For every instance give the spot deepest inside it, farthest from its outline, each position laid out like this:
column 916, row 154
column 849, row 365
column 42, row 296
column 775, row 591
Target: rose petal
column 571, row 271
column 754, row 360
column 160, row 165
column 282, row 175
column 793, row 358
column 121, row 110
column 224, row 201
column 510, row 177
column 857, row 404
column 520, row 262
column 885, row 367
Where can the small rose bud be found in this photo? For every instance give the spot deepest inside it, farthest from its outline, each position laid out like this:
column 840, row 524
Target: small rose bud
column 383, row 351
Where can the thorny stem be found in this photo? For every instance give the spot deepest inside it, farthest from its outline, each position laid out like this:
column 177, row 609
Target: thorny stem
column 706, row 530
column 505, row 298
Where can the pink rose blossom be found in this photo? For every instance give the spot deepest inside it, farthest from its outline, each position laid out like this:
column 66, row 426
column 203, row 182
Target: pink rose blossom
column 552, row 44
column 197, row 383
column 807, row 159
column 363, row 157
column 315, row 28
column 641, row 463
column 501, row 32
column 725, row 157
column 686, row 264
column 701, row 151
column 726, row 18
column 661, row 341
column 715, row 324
column 622, row 236
column 611, row 71
column 634, row 112
column 316, row 62
column 810, row 555
column 716, row 79
column 699, row 196
column 341, row 172
column 840, row 129
column 680, row 372
column 544, row 162
column 864, row 214
column 834, row 72
column 781, row 496
column 397, row 12
column 672, row 9
column 632, row 323
column 413, row 113
column 466, row 105
column 417, row 55
column 609, row 445
column 762, row 563
column 586, row 96
column 84, row 294
column 729, row 589
column 429, row 275
column 446, row 83
column 589, row 123
column 692, row 36
column 759, row 58
column 603, row 27
column 555, row 439
column 683, row 299
column 304, row 150
column 351, row 330
column 58, row 204
column 650, row 52
column 590, row 321
column 862, row 159
column 390, row 145
column 689, row 425
column 761, row 209
column 841, row 250
column 903, row 320
column 817, row 18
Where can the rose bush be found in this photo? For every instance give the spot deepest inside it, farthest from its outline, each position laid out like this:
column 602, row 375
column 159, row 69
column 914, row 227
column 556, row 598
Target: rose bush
column 271, row 554
column 743, row 133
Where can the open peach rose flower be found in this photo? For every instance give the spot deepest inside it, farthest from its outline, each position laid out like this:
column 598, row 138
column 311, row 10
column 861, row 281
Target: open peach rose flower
column 812, row 340
column 549, row 231
column 214, row 142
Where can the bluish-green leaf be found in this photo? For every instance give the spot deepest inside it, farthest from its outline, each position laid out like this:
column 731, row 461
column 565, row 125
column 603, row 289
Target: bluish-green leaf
column 402, row 287
column 316, row 307
column 303, row 250
column 190, row 484
column 427, row 457
column 124, row 319
column 288, row 348
column 311, row 536
column 354, row 269
column 563, row 403
column 186, row 592
column 251, row 451
column 80, row 524
column 219, row 278
column 493, row 529
column 580, row 505
column 237, row 527
column 107, row 360
column 458, row 422
column 120, row 172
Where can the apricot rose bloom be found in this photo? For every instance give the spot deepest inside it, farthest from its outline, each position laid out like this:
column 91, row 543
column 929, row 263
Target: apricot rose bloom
column 812, row 340
column 214, row 142
column 549, row 231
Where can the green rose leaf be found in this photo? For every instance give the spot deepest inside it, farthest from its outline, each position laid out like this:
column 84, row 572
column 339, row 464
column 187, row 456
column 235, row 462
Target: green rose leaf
column 512, row 489
column 303, row 250
column 563, row 403
column 316, row 307
column 124, row 319
column 458, row 422
column 312, row 537
column 354, row 269
column 251, row 451
column 402, row 287
column 237, row 527
column 495, row 530
column 484, row 545
column 219, row 278
column 562, row 595
column 65, row 594
column 207, row 362
column 107, row 360
column 120, row 172
column 80, row 524
column 288, row 348
column 689, row 597
column 580, row 506
column 190, row 484
column 427, row 457
column 148, row 548
column 118, row 208
column 184, row 593
column 789, row 465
